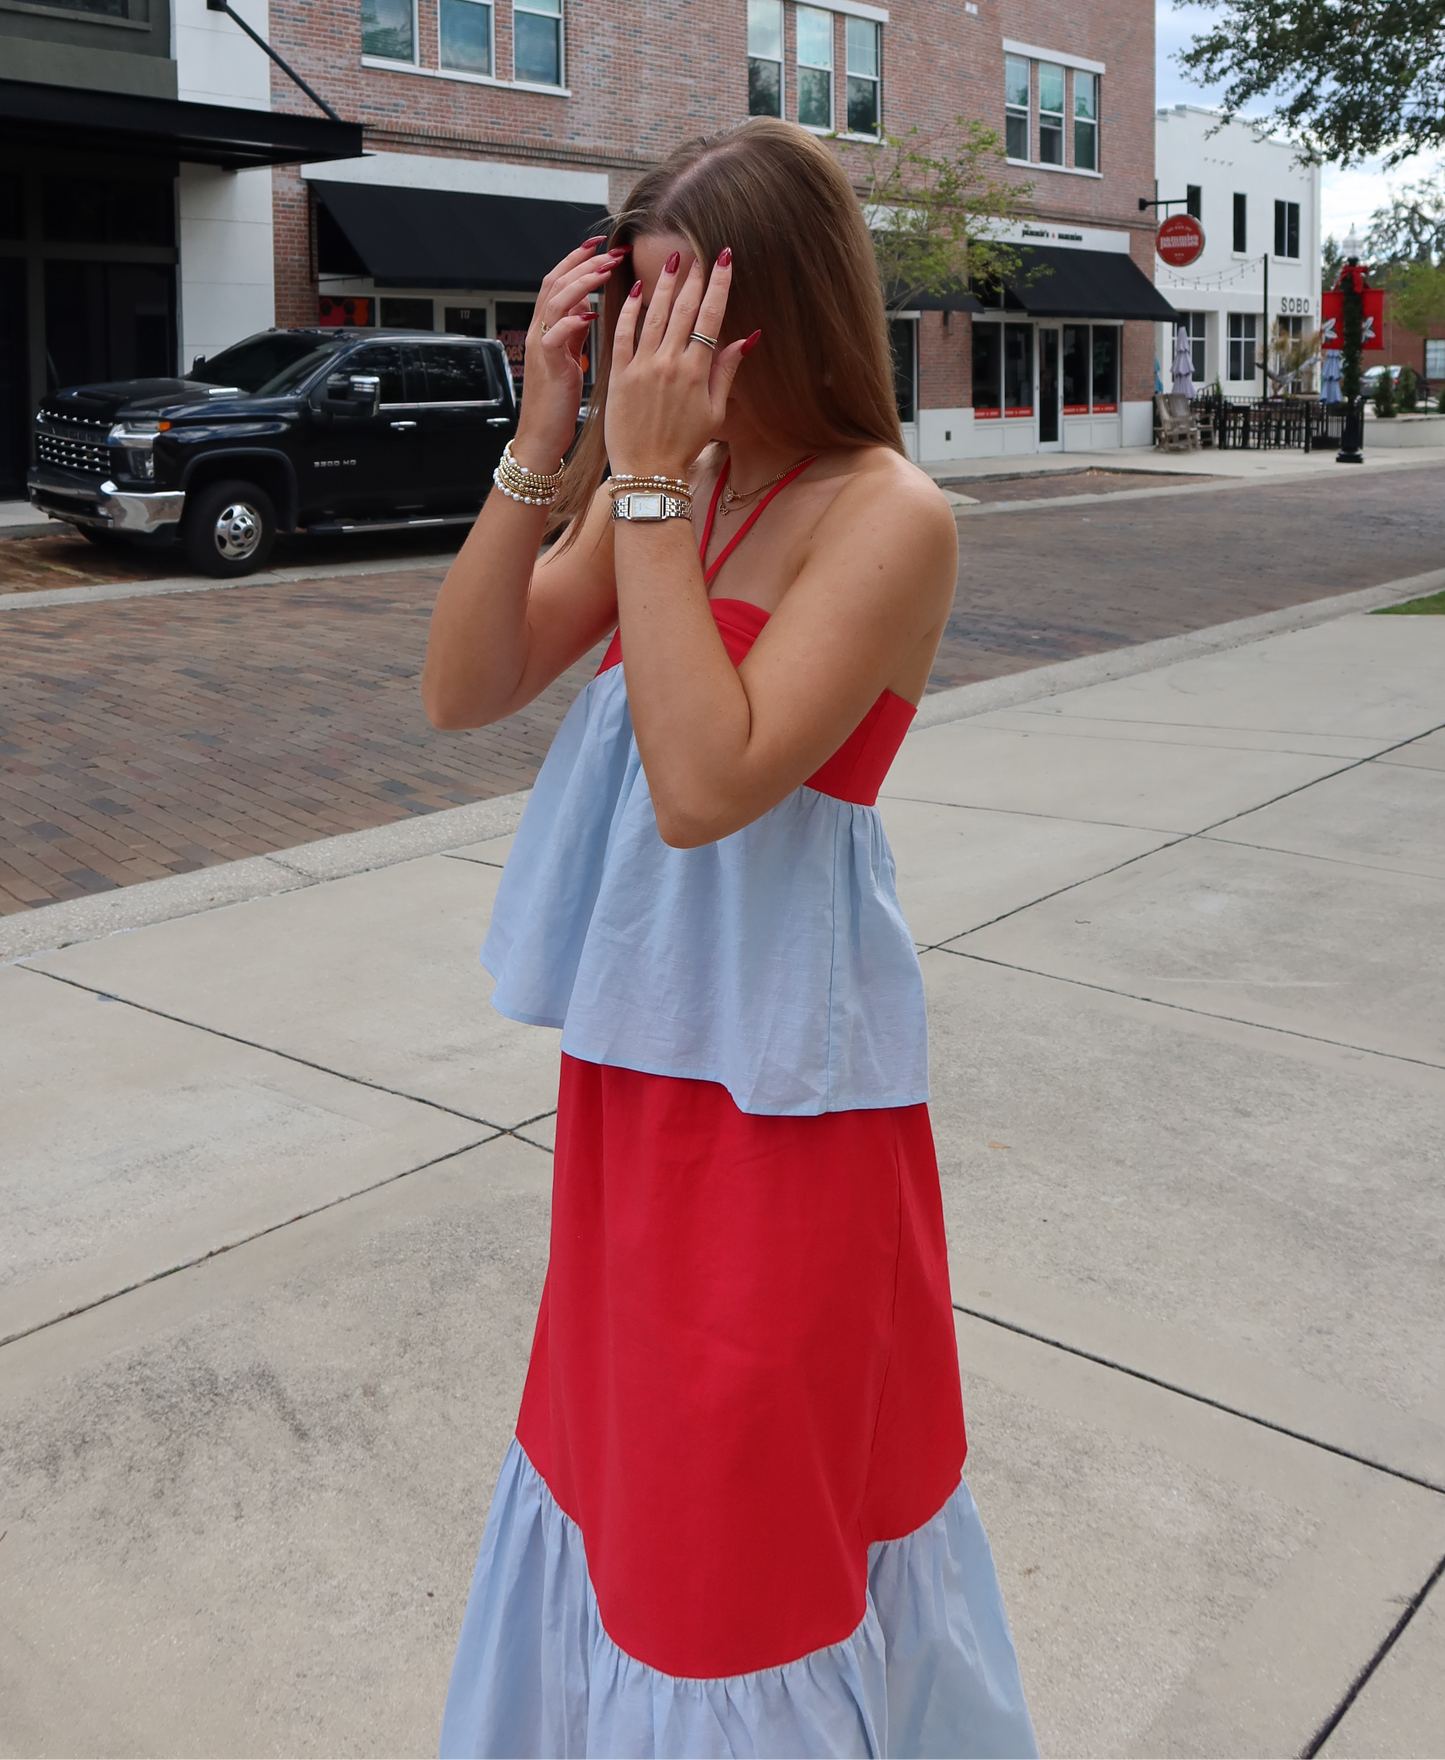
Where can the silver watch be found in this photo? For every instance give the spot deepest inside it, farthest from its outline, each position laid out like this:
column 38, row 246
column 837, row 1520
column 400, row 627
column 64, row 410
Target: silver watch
column 650, row 505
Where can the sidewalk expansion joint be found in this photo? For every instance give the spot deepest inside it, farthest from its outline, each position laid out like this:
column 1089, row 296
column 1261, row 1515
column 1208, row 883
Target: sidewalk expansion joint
column 114, row 1295
column 341, row 1075
column 1361, row 1680
column 1204, row 1399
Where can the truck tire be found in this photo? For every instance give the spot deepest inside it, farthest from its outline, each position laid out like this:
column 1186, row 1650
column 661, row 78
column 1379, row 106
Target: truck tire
column 229, row 528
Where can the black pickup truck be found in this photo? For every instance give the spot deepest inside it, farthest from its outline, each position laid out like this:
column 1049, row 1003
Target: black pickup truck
column 292, row 430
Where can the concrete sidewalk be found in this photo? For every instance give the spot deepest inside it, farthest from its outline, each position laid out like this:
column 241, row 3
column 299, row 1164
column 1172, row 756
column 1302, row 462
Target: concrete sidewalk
column 1247, row 464
column 278, row 1186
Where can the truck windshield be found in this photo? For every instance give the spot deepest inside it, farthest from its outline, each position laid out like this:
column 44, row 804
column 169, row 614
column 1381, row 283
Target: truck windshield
column 269, row 364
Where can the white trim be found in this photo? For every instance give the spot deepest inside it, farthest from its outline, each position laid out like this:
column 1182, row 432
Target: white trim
column 469, row 79
column 1034, row 53
column 471, row 176
column 1039, row 165
column 870, row 140
column 854, row 9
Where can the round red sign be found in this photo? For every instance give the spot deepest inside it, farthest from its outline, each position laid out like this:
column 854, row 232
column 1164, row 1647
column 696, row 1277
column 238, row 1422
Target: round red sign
column 1179, row 240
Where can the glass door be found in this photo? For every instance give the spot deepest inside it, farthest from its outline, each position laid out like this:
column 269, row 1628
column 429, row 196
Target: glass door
column 1049, row 386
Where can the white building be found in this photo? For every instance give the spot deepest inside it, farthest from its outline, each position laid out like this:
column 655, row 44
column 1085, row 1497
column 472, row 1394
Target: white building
column 1260, row 209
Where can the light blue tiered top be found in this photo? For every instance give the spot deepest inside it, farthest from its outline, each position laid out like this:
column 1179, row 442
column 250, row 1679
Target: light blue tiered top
column 775, row 961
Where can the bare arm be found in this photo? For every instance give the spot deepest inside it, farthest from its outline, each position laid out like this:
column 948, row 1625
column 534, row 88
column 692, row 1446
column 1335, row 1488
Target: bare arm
column 721, row 746
column 506, row 625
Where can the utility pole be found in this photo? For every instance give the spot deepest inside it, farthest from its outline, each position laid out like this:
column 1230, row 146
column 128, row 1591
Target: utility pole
column 1266, row 323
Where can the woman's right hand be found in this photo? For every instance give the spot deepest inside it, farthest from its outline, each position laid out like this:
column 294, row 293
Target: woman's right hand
column 559, row 333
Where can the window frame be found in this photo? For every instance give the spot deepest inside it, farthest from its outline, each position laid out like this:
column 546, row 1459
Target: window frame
column 804, row 67
column 1286, row 231
column 1090, row 122
column 875, row 79
column 414, row 60
column 1240, row 232
column 1243, row 336
column 1052, row 120
column 471, row 72
column 542, row 9
column 780, row 61
column 1435, row 347
column 1194, row 201
column 1015, row 112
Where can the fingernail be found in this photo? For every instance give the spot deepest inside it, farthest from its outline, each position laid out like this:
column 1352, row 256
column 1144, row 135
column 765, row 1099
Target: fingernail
column 586, row 242
column 593, row 316
column 636, row 289
column 752, row 342
column 724, row 257
column 670, row 266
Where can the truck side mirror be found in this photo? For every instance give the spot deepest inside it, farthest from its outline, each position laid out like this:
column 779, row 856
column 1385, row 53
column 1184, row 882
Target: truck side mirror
column 353, row 394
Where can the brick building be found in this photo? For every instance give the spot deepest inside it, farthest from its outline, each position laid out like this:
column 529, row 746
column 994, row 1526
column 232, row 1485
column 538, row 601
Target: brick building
column 497, row 130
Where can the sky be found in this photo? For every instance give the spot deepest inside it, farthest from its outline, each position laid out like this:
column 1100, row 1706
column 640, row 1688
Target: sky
column 1348, row 198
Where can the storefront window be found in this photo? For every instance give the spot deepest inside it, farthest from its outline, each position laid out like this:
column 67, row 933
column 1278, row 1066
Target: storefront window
column 537, row 41
column 466, row 35
column 388, row 29
column 1106, row 368
column 765, row 57
column 903, row 343
column 514, row 318
column 1076, row 369
column 1018, row 369
column 1051, row 113
column 987, row 370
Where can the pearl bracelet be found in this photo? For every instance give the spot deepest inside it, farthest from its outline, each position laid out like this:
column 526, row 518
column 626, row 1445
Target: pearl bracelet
column 532, row 488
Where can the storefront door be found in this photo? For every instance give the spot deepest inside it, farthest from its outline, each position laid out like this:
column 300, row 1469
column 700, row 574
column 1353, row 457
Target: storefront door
column 1050, row 437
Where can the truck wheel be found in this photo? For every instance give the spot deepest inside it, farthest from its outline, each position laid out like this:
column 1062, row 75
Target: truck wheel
column 229, row 528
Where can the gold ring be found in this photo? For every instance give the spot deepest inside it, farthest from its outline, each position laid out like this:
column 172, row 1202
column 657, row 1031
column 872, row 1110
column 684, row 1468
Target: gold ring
column 545, row 326
column 706, row 341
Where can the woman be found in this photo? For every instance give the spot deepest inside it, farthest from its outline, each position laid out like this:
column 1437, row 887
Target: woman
column 732, row 1519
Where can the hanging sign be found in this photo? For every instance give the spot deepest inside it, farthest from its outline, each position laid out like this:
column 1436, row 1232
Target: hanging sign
column 1372, row 320
column 1179, row 240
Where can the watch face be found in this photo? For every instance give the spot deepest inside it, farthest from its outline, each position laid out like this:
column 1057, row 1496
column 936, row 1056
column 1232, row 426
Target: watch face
column 644, row 506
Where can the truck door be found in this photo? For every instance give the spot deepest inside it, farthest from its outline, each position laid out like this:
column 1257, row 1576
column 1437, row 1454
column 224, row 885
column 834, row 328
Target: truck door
column 465, row 419
column 370, row 467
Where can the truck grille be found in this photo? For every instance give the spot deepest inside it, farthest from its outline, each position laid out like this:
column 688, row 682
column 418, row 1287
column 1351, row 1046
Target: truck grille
column 74, row 446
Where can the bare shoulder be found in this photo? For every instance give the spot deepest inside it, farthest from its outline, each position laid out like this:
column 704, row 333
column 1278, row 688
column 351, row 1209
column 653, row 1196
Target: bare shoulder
column 887, row 507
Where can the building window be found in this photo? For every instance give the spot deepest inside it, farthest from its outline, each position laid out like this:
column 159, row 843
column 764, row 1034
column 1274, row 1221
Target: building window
column 903, row 345
column 388, row 29
column 1018, row 369
column 765, row 57
column 1016, row 106
column 1435, row 358
column 1051, row 114
column 1076, row 369
column 465, row 32
column 815, row 67
column 1194, row 323
column 1286, row 229
column 1194, row 201
column 1086, row 121
column 987, row 370
column 1241, row 344
column 1241, row 222
column 537, row 42
column 863, row 106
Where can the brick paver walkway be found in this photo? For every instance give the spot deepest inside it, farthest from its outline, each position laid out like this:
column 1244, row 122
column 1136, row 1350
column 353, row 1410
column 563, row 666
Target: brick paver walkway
column 152, row 736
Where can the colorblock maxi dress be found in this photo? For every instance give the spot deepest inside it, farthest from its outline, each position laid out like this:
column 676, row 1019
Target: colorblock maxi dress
column 732, row 1520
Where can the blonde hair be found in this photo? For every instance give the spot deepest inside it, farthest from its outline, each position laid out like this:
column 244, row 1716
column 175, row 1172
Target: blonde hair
column 803, row 272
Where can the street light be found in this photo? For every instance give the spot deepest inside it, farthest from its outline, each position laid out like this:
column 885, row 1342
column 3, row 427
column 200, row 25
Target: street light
column 1351, row 284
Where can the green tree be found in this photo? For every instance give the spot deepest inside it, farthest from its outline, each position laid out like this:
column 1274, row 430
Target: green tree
column 1385, row 395
column 1411, row 228
column 1332, row 260
column 1407, row 391
column 1349, row 82
column 1417, row 296
column 936, row 209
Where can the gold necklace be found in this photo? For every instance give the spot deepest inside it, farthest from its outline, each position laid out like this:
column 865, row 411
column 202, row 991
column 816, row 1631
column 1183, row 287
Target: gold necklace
column 733, row 496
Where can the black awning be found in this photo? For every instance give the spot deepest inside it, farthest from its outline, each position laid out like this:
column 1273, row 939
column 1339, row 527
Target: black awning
column 1056, row 282
column 166, row 128
column 452, row 238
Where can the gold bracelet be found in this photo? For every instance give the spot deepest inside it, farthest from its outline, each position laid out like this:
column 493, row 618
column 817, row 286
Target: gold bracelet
column 621, row 482
column 517, row 483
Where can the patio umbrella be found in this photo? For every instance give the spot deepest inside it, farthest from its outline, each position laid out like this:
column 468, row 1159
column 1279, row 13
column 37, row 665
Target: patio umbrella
column 1183, row 364
column 1330, row 369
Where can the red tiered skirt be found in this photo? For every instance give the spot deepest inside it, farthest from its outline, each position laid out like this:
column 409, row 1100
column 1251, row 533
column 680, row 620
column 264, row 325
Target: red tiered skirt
column 744, row 1370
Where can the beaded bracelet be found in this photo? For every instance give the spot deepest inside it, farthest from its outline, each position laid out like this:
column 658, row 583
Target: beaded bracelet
column 621, row 483
column 517, row 483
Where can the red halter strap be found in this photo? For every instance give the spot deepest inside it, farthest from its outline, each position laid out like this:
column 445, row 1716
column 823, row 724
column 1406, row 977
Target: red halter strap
column 749, row 522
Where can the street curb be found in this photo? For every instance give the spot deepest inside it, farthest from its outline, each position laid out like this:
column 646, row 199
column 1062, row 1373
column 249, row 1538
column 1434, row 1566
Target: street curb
column 104, row 591
column 966, row 700
column 356, row 852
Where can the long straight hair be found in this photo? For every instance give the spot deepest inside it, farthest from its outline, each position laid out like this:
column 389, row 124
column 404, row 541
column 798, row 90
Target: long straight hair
column 803, row 272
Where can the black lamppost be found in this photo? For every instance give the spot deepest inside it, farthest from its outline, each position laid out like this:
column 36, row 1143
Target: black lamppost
column 1351, row 284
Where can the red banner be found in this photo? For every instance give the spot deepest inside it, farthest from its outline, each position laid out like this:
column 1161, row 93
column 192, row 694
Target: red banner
column 1372, row 320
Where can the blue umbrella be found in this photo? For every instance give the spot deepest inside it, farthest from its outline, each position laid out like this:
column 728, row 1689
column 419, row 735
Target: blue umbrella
column 1330, row 370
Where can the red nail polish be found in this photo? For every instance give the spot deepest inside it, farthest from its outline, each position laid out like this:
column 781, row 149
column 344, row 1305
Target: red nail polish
column 670, row 266
column 752, row 342
column 636, row 289
column 724, row 257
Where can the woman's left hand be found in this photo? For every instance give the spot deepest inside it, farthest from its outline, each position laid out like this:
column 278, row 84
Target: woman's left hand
column 666, row 394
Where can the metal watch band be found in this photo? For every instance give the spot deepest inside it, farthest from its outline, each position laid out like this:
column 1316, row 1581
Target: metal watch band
column 650, row 506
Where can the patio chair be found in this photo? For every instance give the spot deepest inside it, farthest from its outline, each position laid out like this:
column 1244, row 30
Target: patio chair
column 1178, row 426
